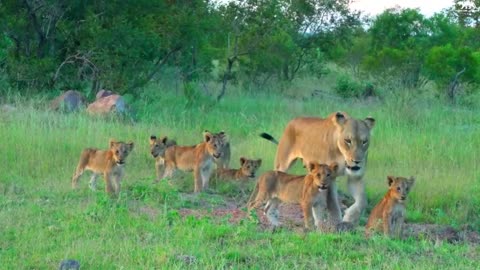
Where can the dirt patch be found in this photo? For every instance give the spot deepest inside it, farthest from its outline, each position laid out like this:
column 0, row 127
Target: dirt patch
column 441, row 233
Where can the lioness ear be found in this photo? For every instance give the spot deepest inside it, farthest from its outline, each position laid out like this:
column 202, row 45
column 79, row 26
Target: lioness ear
column 242, row 161
column 334, row 167
column 311, row 166
column 112, row 142
column 207, row 136
column 130, row 145
column 370, row 122
column 340, row 118
column 153, row 138
column 164, row 140
column 390, row 180
column 411, row 181
column 259, row 162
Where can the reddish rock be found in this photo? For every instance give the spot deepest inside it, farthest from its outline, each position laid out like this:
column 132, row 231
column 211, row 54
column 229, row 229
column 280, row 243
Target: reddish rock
column 103, row 93
column 108, row 104
column 69, row 101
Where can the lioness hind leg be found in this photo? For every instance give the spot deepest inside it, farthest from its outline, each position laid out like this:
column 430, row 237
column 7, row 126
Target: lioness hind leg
column 272, row 212
column 93, row 182
column 82, row 164
column 78, row 173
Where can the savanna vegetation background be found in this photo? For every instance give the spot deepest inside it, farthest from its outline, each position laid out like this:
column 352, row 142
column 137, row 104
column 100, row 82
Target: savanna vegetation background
column 243, row 67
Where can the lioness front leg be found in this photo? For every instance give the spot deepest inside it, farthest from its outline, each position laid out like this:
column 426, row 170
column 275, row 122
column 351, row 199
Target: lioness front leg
column 308, row 215
column 161, row 170
column 333, row 205
column 117, row 178
column 206, row 173
column 356, row 186
column 108, row 183
column 197, row 174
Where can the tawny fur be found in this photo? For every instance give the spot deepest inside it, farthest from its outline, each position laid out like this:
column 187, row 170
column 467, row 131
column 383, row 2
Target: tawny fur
column 388, row 216
column 157, row 150
column 337, row 138
column 199, row 158
column 224, row 161
column 109, row 162
column 310, row 191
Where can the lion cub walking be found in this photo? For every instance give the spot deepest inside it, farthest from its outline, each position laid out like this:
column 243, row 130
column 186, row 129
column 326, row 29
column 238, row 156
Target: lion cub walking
column 310, row 191
column 109, row 162
column 198, row 158
column 389, row 214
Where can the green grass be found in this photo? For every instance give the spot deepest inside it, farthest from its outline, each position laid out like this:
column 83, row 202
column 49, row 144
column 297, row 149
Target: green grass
column 42, row 220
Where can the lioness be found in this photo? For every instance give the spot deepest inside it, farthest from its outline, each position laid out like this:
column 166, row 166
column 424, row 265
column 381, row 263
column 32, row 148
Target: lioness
column 247, row 170
column 224, row 161
column 389, row 214
column 157, row 150
column 310, row 191
column 109, row 162
column 199, row 158
column 337, row 138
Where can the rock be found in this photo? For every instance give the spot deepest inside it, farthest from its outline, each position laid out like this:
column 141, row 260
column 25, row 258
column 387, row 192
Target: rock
column 69, row 265
column 69, row 101
column 104, row 93
column 108, row 104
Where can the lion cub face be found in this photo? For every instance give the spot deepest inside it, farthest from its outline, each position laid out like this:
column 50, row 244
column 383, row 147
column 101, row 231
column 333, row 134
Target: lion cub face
column 400, row 187
column 249, row 167
column 323, row 175
column 214, row 143
column 158, row 146
column 120, row 151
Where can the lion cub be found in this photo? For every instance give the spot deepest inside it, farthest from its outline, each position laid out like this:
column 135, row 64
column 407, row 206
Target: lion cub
column 389, row 214
column 199, row 158
column 310, row 191
column 248, row 169
column 109, row 162
column 224, row 161
column 157, row 150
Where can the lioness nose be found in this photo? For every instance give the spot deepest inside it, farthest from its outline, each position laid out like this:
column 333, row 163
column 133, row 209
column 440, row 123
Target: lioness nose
column 356, row 161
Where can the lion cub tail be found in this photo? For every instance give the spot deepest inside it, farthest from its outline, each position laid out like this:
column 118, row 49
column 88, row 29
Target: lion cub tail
column 268, row 137
column 252, row 200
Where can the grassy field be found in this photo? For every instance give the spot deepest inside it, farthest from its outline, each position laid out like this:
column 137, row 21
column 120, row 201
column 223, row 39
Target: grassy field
column 43, row 221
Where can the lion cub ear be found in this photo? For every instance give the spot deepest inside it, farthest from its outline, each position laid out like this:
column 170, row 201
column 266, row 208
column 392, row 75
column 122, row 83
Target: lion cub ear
column 334, row 167
column 370, row 122
column 411, row 181
column 340, row 118
column 390, row 180
column 130, row 145
column 112, row 143
column 311, row 166
column 164, row 140
column 207, row 136
column 259, row 162
column 153, row 138
column 242, row 161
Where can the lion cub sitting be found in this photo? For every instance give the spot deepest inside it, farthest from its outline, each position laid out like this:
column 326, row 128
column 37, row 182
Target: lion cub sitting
column 310, row 191
column 199, row 158
column 389, row 214
column 248, row 169
column 109, row 162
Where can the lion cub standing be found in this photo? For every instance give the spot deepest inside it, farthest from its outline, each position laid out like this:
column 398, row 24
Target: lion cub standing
column 109, row 162
column 248, row 169
column 389, row 214
column 199, row 158
column 310, row 191
column 157, row 150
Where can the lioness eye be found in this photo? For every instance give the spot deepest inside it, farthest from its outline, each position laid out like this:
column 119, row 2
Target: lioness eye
column 348, row 141
column 116, row 152
column 398, row 188
column 328, row 174
column 365, row 142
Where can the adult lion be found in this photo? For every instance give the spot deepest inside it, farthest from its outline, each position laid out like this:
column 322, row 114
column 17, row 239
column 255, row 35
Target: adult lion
column 337, row 138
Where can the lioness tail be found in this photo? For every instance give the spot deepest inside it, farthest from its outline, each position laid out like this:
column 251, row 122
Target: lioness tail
column 269, row 137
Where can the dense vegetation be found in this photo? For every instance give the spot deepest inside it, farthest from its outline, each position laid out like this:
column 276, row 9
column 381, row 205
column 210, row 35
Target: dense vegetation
column 52, row 45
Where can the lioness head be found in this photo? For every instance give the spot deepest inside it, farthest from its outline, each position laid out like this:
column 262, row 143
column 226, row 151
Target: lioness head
column 400, row 186
column 120, row 151
column 249, row 167
column 215, row 143
column 323, row 175
column 158, row 146
column 353, row 139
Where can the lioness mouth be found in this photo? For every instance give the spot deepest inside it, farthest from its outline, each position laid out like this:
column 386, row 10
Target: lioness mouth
column 216, row 155
column 252, row 176
column 120, row 162
column 322, row 187
column 354, row 168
